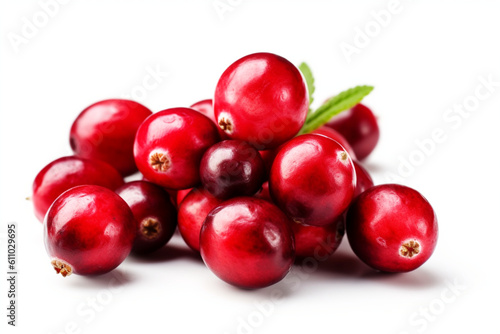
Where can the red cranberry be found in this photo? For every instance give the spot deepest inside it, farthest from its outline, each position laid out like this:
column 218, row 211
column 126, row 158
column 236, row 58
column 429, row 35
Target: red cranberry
column 247, row 242
column 154, row 213
column 206, row 108
column 312, row 179
column 262, row 99
column 392, row 228
column 264, row 193
column 268, row 157
column 89, row 230
column 181, row 194
column 318, row 241
column 363, row 179
column 331, row 133
column 68, row 172
column 192, row 213
column 359, row 126
column 232, row 168
column 106, row 131
column 169, row 146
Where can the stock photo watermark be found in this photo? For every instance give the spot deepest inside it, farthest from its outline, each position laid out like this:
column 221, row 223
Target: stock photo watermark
column 452, row 119
column 12, row 273
column 33, row 24
column 293, row 281
column 153, row 78
column 224, row 7
column 420, row 320
column 88, row 310
column 365, row 34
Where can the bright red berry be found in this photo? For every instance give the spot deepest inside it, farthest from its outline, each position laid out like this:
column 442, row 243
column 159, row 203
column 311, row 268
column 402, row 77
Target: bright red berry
column 363, row 179
column 318, row 241
column 89, row 230
column 68, row 172
column 192, row 213
column 232, row 168
column 331, row 133
column 169, row 146
column 312, row 179
column 247, row 242
column 262, row 99
column 392, row 228
column 181, row 194
column 154, row 213
column 359, row 126
column 206, row 108
column 106, row 131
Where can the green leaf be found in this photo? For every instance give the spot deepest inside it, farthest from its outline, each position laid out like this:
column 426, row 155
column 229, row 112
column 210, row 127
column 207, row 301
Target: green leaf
column 343, row 101
column 306, row 71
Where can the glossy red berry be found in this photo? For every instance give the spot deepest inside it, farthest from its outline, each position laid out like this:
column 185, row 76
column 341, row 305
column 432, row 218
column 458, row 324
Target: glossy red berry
column 89, row 230
column 106, row 131
column 331, row 133
column 318, row 241
column 312, row 179
column 154, row 213
column 169, row 146
column 392, row 228
column 181, row 194
column 206, row 108
column 262, row 99
column 359, row 126
column 192, row 213
column 68, row 172
column 363, row 179
column 247, row 242
column 232, row 168
column 264, row 193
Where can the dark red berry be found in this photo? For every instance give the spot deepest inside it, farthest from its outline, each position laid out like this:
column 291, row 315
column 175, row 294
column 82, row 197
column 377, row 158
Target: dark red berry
column 232, row 168
column 392, row 228
column 268, row 158
column 169, row 146
column 106, row 131
column 359, row 126
column 247, row 242
column 312, row 179
column 264, row 193
column 331, row 133
column 89, row 230
column 318, row 241
column 154, row 213
column 262, row 99
column 192, row 213
column 363, row 179
column 68, row 172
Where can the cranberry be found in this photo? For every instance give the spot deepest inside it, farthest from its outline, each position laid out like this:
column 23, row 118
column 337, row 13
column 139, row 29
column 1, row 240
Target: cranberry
column 318, row 241
column 331, row 133
column 264, row 193
column 106, row 131
column 154, row 213
column 262, row 99
column 232, row 168
column 192, row 213
column 206, row 108
column 359, row 126
column 312, row 179
column 392, row 228
column 268, row 157
column 68, row 172
column 89, row 230
column 169, row 146
column 247, row 242
column 363, row 179
column 181, row 194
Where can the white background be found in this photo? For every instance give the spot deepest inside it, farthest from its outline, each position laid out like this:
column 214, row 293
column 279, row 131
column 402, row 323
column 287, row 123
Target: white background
column 429, row 57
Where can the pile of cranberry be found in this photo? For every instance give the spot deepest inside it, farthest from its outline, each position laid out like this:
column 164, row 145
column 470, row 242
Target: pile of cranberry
column 253, row 180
